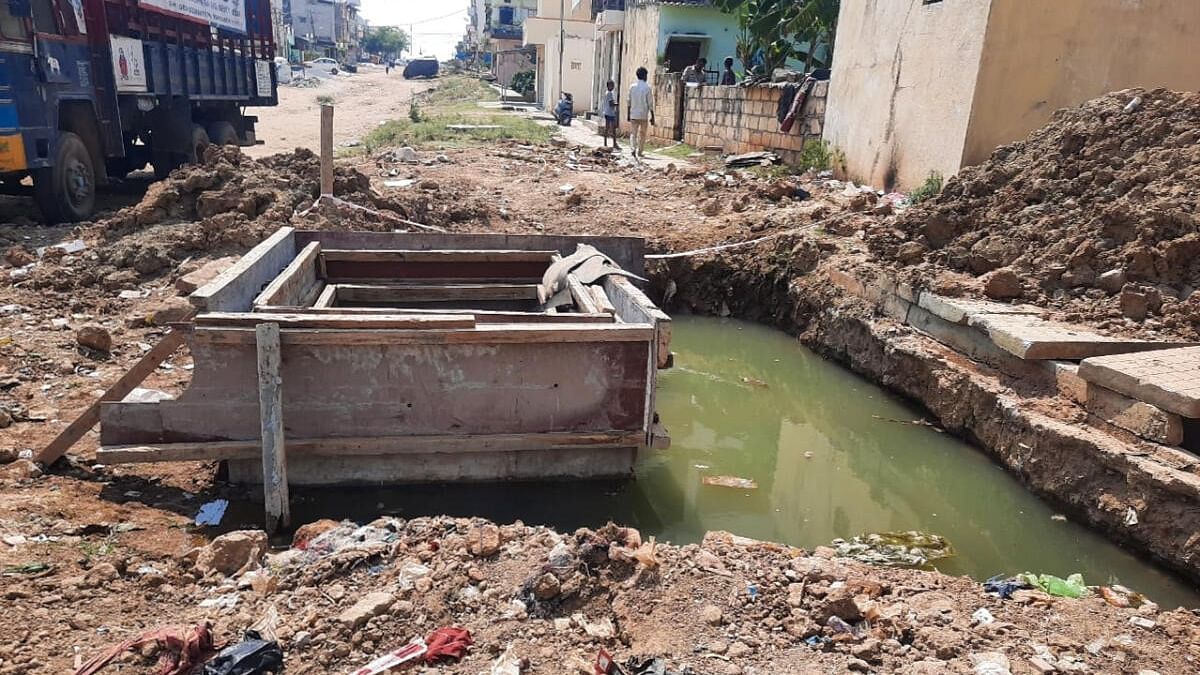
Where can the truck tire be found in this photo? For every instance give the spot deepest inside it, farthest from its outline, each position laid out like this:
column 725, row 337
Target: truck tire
column 66, row 192
column 200, row 143
column 223, row 133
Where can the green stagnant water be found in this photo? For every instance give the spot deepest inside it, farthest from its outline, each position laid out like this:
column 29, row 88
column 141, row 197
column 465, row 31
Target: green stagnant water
column 832, row 455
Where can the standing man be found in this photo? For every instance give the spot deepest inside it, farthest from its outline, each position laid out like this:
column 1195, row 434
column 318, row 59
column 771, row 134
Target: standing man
column 728, row 77
column 610, row 110
column 694, row 74
column 640, row 112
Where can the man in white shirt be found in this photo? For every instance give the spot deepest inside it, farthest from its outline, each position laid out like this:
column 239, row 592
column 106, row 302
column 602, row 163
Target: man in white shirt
column 641, row 112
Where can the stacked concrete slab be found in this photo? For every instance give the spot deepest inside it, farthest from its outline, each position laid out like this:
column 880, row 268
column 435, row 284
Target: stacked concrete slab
column 1147, row 388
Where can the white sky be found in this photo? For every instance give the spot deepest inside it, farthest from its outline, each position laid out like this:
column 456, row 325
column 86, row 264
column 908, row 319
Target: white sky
column 433, row 31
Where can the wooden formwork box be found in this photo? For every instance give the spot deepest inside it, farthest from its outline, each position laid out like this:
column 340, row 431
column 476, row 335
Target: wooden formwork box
column 409, row 358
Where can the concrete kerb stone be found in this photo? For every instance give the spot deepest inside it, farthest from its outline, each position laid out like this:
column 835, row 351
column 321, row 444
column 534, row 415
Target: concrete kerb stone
column 1031, row 337
column 1143, row 419
column 1166, row 378
column 960, row 310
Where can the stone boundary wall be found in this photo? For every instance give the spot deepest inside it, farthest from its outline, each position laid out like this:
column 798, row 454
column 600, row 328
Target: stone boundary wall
column 743, row 119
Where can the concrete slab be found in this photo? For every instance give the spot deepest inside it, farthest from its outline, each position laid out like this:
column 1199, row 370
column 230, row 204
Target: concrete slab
column 1030, row 337
column 1145, row 420
column 1067, row 379
column 1167, row 378
column 960, row 310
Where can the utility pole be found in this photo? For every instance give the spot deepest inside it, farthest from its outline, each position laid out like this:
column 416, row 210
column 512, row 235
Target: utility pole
column 562, row 42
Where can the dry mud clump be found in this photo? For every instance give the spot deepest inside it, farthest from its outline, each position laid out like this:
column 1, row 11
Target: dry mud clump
column 1096, row 214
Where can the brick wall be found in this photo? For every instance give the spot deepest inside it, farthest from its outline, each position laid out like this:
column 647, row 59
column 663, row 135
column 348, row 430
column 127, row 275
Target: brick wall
column 743, row 119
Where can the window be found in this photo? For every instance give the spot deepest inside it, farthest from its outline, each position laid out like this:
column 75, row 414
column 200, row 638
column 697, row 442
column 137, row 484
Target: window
column 43, row 17
column 11, row 27
column 506, row 16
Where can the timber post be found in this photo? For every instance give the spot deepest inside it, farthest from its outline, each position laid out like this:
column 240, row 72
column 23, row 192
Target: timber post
column 326, row 150
column 270, row 402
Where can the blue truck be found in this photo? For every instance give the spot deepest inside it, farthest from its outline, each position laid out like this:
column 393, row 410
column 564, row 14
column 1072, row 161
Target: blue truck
column 91, row 90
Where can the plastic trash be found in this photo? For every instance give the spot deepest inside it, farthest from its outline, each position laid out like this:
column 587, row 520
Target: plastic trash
column 252, row 656
column 731, row 482
column 507, row 664
column 990, row 663
column 1004, row 587
column 1119, row 596
column 895, row 549
column 983, row 617
column 409, row 653
column 212, row 512
column 1071, row 587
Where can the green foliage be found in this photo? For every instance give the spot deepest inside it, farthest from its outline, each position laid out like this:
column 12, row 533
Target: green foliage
column 324, row 99
column 929, row 189
column 523, row 82
column 773, row 27
column 414, row 112
column 431, row 130
column 818, row 155
column 386, row 40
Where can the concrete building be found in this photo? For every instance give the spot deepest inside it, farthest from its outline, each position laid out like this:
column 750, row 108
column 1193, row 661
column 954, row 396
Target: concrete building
column 926, row 85
column 565, row 47
column 672, row 34
column 330, row 28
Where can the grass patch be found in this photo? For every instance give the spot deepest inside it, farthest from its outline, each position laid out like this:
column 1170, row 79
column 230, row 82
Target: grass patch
column 453, row 102
column 929, row 189
column 324, row 99
column 674, row 150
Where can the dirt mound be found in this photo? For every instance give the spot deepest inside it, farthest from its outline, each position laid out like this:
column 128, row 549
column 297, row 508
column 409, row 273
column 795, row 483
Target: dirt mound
column 1097, row 213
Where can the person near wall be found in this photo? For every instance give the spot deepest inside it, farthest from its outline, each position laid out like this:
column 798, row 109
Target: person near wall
column 728, row 77
column 610, row 110
column 694, row 74
column 640, row 112
column 564, row 112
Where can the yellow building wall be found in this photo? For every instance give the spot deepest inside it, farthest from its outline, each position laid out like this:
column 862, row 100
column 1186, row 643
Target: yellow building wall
column 1042, row 55
column 903, row 83
column 640, row 49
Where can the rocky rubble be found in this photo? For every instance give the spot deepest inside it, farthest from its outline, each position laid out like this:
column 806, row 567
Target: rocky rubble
column 1096, row 215
column 344, row 593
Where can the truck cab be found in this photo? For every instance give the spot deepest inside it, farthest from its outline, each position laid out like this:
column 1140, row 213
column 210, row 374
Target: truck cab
column 93, row 89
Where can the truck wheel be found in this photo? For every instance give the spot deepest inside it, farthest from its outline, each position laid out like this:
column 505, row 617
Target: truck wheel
column 66, row 192
column 223, row 133
column 200, row 143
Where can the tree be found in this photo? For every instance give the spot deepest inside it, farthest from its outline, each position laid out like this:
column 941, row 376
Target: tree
column 386, row 40
column 771, row 29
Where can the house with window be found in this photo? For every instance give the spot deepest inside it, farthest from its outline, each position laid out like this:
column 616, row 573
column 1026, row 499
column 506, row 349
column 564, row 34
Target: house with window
column 924, row 86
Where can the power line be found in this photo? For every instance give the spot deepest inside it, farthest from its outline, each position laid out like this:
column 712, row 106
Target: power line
column 436, row 18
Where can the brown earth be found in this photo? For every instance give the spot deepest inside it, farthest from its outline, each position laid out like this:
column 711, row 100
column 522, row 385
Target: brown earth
column 104, row 528
column 1097, row 215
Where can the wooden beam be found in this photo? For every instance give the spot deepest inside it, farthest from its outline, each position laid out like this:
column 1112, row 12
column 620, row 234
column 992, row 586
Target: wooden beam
column 372, row 446
column 270, row 406
column 434, row 293
column 436, row 255
column 628, row 252
column 584, row 302
column 497, row 333
column 326, row 150
column 633, row 306
column 603, row 304
column 481, row 315
column 327, row 298
column 234, row 289
column 359, row 321
column 117, row 391
column 293, row 283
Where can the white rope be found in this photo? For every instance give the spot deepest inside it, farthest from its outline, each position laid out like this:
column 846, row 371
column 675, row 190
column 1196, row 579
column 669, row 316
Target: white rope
column 337, row 201
column 723, row 247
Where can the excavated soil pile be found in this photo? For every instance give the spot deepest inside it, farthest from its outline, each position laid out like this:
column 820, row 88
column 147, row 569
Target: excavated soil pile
column 1097, row 215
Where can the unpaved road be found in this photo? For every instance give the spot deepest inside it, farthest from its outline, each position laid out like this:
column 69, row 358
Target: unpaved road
column 362, row 100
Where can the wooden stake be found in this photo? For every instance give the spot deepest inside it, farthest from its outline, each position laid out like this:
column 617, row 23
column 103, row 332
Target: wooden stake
column 326, row 150
column 119, row 390
column 270, row 403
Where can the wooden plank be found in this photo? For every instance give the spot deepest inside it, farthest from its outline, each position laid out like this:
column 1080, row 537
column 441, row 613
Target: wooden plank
column 326, row 150
column 310, row 298
column 430, row 281
column 498, row 333
column 434, row 293
column 481, row 315
column 270, row 406
column 364, row 321
column 371, row 446
column 628, row 252
column 603, row 304
column 234, row 289
column 436, row 255
column 584, row 302
column 117, row 391
column 293, row 283
column 633, row 306
column 328, row 297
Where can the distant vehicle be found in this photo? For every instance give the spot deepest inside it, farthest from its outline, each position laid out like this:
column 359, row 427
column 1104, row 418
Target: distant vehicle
column 324, row 64
column 422, row 66
column 349, row 67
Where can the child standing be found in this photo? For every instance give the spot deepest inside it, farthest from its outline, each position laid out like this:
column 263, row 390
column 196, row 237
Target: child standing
column 609, row 109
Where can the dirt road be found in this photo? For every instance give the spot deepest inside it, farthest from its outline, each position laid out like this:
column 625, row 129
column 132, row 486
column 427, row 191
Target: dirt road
column 363, row 100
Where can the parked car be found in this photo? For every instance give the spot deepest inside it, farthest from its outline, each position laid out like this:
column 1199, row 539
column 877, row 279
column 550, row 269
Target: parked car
column 349, row 67
column 325, row 65
column 422, row 66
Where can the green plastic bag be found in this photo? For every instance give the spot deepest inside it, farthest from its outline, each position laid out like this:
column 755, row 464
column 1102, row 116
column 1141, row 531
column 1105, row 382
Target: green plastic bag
column 1071, row 587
